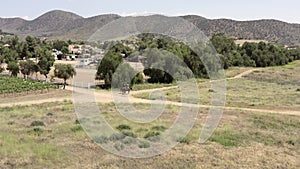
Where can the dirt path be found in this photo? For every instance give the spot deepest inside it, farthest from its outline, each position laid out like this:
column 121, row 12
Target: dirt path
column 104, row 96
column 244, row 73
column 31, row 102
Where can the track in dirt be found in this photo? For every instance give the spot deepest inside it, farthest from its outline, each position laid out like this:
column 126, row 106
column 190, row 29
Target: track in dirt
column 104, row 96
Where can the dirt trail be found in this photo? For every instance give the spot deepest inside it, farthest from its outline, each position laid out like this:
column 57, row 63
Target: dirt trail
column 103, row 96
column 244, row 73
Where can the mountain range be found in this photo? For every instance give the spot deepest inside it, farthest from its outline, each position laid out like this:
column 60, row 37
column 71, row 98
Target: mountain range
column 67, row 25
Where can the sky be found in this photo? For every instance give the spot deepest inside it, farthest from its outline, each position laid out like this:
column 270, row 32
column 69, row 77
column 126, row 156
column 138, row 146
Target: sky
column 284, row 10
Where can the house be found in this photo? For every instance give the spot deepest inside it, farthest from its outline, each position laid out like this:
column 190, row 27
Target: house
column 75, row 49
column 57, row 54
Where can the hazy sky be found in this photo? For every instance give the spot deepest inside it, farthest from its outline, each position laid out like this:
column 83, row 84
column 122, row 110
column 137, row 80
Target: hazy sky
column 285, row 10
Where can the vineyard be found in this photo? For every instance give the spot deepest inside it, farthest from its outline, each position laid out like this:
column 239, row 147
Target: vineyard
column 10, row 85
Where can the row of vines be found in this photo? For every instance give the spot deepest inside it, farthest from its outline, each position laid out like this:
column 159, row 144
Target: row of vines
column 18, row 85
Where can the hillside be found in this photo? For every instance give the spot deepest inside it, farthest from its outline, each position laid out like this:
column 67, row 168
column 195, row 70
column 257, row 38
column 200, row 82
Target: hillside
column 269, row 30
column 54, row 22
column 61, row 24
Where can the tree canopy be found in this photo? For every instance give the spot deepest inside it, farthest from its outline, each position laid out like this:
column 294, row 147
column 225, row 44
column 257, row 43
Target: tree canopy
column 64, row 71
column 159, row 53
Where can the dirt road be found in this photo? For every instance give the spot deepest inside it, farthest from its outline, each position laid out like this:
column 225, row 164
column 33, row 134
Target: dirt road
column 105, row 96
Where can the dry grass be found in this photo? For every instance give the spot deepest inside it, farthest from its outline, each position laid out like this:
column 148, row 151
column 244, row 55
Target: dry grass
column 233, row 71
column 243, row 140
column 267, row 88
column 53, row 93
column 282, row 75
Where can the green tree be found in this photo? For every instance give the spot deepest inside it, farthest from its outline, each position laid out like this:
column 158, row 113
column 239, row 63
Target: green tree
column 26, row 67
column 125, row 74
column 14, row 41
column 13, row 67
column 222, row 43
column 65, row 50
column 110, row 62
column 36, row 69
column 1, row 69
column 64, row 71
column 59, row 45
column 31, row 43
column 9, row 55
column 46, row 61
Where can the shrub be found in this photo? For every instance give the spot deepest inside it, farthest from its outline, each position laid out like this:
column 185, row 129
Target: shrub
column 129, row 133
column 50, row 114
column 123, row 127
column 128, row 141
column 211, row 90
column 116, row 137
column 11, row 123
column 76, row 128
column 77, row 121
column 101, row 139
column 38, row 131
column 152, row 134
column 298, row 90
column 291, row 142
column 141, row 130
column 159, row 128
column 119, row 146
column 37, row 123
column 186, row 140
column 144, row 144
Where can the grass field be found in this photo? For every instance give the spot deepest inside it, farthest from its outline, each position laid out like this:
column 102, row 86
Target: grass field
column 269, row 88
column 47, row 136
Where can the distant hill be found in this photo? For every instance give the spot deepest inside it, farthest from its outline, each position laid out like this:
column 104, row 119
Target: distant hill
column 61, row 24
column 269, row 30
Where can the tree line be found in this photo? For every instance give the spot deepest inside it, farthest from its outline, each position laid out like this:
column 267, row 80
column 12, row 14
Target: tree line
column 34, row 55
column 260, row 54
column 160, row 52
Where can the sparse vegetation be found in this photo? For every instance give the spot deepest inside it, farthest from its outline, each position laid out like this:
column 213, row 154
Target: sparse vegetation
column 186, row 140
column 76, row 128
column 152, row 134
column 243, row 130
column 37, row 123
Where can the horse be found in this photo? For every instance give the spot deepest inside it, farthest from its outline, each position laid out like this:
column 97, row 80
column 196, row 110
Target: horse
column 125, row 89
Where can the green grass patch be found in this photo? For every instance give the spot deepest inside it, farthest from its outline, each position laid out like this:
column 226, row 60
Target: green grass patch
column 226, row 137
